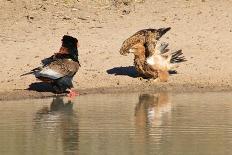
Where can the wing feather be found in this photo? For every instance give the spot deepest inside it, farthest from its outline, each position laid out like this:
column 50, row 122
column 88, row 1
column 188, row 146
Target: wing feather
column 49, row 73
column 58, row 69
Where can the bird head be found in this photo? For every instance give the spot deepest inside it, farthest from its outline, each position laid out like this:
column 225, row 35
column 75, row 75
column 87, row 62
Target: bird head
column 124, row 49
column 71, row 44
column 128, row 44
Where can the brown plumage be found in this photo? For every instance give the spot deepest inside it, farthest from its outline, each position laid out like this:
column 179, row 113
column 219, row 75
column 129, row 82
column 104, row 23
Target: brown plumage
column 145, row 36
column 140, row 63
column 149, row 60
column 157, row 65
column 58, row 69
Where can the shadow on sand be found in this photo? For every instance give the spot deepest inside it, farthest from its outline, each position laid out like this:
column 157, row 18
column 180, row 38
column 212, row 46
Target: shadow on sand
column 127, row 71
column 41, row 87
column 130, row 71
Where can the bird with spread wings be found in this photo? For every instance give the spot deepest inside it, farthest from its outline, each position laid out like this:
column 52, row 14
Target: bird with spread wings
column 150, row 55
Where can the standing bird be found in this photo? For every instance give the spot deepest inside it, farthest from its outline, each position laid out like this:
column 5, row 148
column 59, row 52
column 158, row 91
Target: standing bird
column 145, row 36
column 156, row 65
column 60, row 68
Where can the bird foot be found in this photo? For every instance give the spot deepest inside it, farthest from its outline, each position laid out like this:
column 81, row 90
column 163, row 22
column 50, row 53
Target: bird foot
column 72, row 94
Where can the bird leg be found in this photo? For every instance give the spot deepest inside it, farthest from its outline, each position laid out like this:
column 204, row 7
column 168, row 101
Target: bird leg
column 163, row 75
column 72, row 93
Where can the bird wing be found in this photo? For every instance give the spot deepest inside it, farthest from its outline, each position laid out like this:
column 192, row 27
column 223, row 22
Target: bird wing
column 138, row 37
column 148, row 37
column 58, row 69
column 150, row 43
column 47, row 61
column 160, row 47
column 143, row 37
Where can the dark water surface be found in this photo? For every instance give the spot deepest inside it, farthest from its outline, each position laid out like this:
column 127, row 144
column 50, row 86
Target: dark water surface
column 118, row 124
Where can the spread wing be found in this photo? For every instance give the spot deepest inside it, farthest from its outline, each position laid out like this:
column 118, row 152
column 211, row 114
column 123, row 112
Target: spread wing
column 160, row 48
column 150, row 43
column 147, row 37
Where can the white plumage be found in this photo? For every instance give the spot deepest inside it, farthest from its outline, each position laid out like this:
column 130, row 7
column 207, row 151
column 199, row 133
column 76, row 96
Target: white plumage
column 49, row 73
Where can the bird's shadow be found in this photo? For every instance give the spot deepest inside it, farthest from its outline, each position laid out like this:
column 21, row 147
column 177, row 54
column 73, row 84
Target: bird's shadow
column 130, row 71
column 127, row 71
column 41, row 87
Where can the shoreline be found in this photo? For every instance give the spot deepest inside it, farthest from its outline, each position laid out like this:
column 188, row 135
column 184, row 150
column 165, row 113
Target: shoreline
column 30, row 33
column 138, row 88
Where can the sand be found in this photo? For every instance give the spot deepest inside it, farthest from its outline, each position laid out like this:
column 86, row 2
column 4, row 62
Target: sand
column 32, row 30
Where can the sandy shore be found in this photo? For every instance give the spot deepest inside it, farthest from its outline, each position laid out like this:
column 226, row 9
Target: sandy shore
column 141, row 88
column 31, row 31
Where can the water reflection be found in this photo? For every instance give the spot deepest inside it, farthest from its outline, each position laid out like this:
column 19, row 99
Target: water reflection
column 58, row 122
column 151, row 108
column 58, row 105
column 135, row 124
column 151, row 112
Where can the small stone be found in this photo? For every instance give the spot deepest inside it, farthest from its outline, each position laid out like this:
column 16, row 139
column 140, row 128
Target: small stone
column 66, row 18
column 125, row 12
column 74, row 9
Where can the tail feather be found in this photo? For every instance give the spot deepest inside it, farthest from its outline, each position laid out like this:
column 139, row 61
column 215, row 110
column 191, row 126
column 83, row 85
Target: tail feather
column 32, row 71
column 177, row 58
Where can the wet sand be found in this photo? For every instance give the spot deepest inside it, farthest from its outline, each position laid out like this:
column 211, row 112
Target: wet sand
column 142, row 88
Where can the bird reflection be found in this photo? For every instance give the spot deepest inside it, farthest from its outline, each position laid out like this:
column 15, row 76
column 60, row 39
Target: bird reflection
column 151, row 108
column 59, row 122
column 59, row 105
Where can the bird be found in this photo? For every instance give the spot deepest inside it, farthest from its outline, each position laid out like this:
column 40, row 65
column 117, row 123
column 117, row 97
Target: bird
column 157, row 65
column 145, row 36
column 59, row 69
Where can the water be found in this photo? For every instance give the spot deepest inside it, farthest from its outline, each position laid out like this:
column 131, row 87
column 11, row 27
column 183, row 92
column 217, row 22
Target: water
column 118, row 124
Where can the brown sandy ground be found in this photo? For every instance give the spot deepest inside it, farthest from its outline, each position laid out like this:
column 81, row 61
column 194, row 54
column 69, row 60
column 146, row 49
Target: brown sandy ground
column 31, row 30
